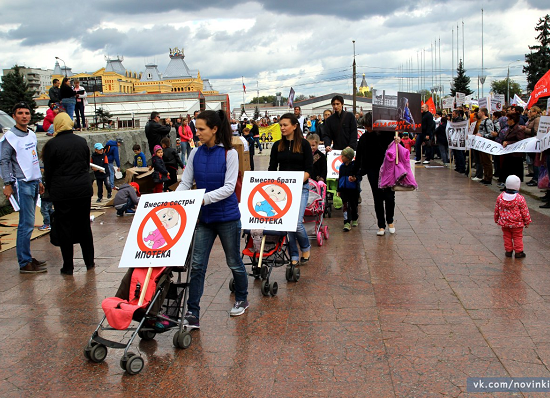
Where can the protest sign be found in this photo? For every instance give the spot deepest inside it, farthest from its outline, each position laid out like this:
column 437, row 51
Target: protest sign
column 448, row 103
column 544, row 126
column 271, row 200
column 396, row 111
column 496, row 103
column 334, row 160
column 459, row 99
column 484, row 102
column 162, row 229
column 456, row 134
column 481, row 144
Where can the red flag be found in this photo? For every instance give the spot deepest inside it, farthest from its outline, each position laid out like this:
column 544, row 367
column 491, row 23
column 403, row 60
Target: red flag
column 431, row 105
column 541, row 90
column 244, row 88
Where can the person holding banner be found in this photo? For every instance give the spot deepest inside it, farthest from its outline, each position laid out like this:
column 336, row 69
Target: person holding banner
column 512, row 164
column 293, row 153
column 214, row 166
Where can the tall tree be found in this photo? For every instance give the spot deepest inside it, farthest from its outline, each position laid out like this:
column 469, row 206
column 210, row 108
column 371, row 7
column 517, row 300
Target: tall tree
column 461, row 81
column 269, row 99
column 538, row 60
column 501, row 87
column 15, row 89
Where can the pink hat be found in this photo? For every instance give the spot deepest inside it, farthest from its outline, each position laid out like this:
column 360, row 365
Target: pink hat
column 156, row 148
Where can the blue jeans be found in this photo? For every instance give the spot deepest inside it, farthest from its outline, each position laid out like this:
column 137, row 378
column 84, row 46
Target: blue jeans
column 50, row 129
column 230, row 237
column 46, row 210
column 460, row 160
column 300, row 235
column 128, row 205
column 257, row 141
column 26, row 194
column 112, row 175
column 185, row 151
column 444, row 152
column 69, row 105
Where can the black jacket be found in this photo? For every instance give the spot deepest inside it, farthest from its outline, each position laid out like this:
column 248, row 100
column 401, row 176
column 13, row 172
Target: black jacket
column 441, row 134
column 428, row 125
column 155, row 132
column 66, row 91
column 319, row 171
column 371, row 151
column 54, row 94
column 291, row 161
column 171, row 158
column 340, row 131
column 67, row 167
column 101, row 160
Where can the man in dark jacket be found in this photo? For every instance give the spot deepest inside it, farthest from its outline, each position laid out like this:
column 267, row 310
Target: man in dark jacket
column 428, row 127
column 341, row 127
column 54, row 93
column 155, row 132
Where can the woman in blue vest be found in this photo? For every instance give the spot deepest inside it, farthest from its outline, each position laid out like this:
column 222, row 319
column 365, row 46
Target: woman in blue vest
column 214, row 166
column 293, row 153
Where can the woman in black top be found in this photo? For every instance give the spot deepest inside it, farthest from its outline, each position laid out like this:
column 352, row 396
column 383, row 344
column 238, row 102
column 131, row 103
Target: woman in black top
column 66, row 173
column 68, row 96
column 293, row 153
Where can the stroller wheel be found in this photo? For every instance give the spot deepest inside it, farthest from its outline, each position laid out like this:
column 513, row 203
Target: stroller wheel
column 288, row 273
column 88, row 348
column 263, row 272
column 231, row 285
column 124, row 359
column 182, row 339
column 98, row 353
column 265, row 288
column 134, row 365
column 274, row 288
column 319, row 238
column 296, row 274
column 325, row 232
column 146, row 335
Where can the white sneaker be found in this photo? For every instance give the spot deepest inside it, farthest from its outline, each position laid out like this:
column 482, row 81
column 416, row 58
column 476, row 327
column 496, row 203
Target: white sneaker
column 476, row 179
column 391, row 228
column 381, row 232
column 417, row 162
column 426, row 162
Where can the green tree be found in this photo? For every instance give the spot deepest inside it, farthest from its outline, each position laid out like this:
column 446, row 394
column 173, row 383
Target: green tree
column 538, row 60
column 501, row 87
column 461, row 81
column 268, row 99
column 15, row 89
column 300, row 97
column 102, row 116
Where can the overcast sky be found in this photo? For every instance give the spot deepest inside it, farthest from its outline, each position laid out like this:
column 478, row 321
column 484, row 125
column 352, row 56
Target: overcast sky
column 306, row 44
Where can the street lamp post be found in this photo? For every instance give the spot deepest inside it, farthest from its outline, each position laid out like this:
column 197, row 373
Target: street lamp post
column 354, row 81
column 508, row 82
column 64, row 64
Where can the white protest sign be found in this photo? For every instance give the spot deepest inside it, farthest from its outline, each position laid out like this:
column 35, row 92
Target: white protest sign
column 497, row 100
column 544, row 126
column 460, row 98
column 494, row 148
column 271, row 200
column 544, row 143
column 483, row 102
column 162, row 229
column 334, row 160
column 548, row 106
column 471, row 128
column 448, row 103
column 456, row 134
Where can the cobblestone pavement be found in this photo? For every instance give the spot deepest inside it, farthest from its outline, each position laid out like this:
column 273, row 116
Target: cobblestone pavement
column 406, row 315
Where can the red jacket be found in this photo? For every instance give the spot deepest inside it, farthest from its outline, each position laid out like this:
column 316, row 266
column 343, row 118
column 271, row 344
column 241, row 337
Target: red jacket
column 185, row 133
column 512, row 213
column 48, row 120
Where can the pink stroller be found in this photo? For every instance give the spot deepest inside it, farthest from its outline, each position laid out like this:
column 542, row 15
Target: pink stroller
column 314, row 214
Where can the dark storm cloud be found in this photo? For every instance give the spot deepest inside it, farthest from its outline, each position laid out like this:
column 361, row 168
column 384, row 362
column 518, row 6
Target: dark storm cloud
column 540, row 4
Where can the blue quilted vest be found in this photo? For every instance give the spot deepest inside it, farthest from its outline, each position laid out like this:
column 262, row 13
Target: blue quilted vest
column 209, row 166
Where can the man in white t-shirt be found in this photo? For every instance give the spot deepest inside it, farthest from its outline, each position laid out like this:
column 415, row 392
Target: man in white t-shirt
column 298, row 114
column 22, row 181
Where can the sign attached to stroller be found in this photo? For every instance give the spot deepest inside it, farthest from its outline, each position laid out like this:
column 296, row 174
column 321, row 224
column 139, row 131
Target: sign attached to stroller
column 162, row 229
column 271, row 200
column 334, row 160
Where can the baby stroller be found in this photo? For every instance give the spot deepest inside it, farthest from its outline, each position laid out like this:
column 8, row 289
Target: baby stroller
column 267, row 250
column 315, row 211
column 157, row 307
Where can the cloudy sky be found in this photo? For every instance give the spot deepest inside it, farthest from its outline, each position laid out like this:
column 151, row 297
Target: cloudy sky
column 277, row 44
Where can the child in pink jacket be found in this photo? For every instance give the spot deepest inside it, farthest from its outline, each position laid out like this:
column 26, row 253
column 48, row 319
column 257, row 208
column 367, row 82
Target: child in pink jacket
column 512, row 214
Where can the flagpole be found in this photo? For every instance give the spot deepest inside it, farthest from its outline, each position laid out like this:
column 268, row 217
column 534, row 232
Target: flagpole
column 242, row 78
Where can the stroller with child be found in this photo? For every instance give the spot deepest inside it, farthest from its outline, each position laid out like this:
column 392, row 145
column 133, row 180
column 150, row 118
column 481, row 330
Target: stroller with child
column 315, row 212
column 266, row 250
column 157, row 307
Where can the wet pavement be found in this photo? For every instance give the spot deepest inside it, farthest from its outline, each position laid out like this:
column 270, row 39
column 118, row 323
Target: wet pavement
column 406, row 315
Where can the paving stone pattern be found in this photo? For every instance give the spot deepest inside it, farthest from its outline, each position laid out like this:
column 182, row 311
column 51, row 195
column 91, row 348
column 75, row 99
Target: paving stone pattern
column 406, row 315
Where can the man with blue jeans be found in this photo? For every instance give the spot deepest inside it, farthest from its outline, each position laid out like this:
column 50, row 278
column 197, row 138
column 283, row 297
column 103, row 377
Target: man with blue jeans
column 22, row 180
column 113, row 156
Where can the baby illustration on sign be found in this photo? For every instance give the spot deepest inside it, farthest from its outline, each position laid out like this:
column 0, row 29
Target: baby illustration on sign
column 169, row 218
column 276, row 194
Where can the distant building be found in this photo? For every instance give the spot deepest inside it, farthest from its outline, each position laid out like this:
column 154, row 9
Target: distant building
column 39, row 80
column 364, row 88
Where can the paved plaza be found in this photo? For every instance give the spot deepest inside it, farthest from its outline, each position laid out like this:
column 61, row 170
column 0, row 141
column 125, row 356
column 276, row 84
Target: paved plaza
column 406, row 315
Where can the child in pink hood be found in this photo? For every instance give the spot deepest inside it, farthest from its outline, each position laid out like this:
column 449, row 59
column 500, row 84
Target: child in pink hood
column 512, row 214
